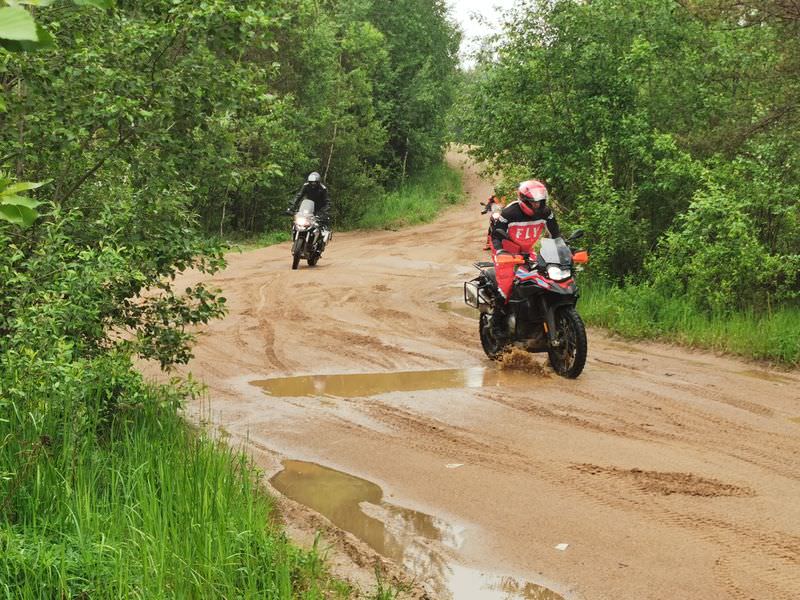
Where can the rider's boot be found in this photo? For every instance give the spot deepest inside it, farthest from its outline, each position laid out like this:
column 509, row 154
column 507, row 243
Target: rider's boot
column 500, row 321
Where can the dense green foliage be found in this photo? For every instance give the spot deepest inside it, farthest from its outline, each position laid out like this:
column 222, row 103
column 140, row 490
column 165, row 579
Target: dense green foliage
column 126, row 136
column 230, row 104
column 668, row 132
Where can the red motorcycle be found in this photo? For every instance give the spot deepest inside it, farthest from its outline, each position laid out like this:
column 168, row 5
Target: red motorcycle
column 541, row 310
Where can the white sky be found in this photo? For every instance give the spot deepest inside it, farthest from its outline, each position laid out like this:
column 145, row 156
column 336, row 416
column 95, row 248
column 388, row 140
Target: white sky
column 462, row 10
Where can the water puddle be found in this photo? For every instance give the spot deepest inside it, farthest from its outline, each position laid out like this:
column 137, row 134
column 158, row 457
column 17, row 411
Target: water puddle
column 400, row 534
column 795, row 420
column 360, row 385
column 767, row 376
column 459, row 308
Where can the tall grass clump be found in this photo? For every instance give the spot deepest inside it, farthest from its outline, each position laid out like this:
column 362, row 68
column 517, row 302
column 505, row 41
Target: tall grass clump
column 644, row 312
column 107, row 493
column 419, row 200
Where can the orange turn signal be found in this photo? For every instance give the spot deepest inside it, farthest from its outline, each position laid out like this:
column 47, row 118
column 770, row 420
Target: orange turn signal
column 581, row 256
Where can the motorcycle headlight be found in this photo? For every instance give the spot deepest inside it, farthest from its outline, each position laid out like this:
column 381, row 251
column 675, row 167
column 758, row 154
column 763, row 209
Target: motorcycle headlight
column 495, row 216
column 302, row 221
column 557, row 273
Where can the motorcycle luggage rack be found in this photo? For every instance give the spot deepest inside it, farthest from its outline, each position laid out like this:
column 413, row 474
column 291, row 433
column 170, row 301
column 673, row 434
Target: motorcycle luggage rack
column 474, row 297
column 483, row 264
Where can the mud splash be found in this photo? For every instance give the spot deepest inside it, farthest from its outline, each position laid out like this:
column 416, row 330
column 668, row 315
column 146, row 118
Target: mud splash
column 362, row 385
column 517, row 359
column 405, row 536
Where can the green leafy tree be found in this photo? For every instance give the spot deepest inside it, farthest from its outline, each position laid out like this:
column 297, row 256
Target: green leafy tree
column 639, row 113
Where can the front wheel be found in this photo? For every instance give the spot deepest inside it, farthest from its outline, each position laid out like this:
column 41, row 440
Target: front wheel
column 493, row 347
column 297, row 252
column 568, row 356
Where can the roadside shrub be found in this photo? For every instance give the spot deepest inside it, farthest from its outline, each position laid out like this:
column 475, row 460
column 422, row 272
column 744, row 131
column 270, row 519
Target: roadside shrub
column 615, row 234
column 714, row 257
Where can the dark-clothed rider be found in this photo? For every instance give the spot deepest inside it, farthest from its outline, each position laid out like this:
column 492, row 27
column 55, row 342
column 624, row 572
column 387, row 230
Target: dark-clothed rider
column 314, row 190
column 523, row 222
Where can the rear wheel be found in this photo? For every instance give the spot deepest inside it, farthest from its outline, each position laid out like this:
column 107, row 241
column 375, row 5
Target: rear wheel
column 493, row 347
column 568, row 357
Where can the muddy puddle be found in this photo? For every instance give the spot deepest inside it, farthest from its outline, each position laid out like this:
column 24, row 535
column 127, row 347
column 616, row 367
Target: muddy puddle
column 795, row 420
column 406, row 536
column 459, row 308
column 361, row 385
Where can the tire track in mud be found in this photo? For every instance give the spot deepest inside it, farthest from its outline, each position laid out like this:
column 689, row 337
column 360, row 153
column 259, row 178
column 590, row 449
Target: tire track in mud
column 266, row 328
column 563, row 414
column 444, row 439
column 702, row 428
column 752, row 549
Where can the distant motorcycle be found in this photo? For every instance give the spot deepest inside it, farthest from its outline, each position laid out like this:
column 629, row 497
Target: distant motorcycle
column 542, row 316
column 309, row 238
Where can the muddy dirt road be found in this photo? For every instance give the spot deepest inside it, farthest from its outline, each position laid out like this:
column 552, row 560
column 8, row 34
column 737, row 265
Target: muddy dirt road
column 659, row 473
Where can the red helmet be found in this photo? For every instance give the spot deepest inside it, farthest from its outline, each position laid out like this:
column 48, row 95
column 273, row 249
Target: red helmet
column 532, row 190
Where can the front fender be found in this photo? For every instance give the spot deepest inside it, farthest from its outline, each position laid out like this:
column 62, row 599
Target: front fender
column 552, row 302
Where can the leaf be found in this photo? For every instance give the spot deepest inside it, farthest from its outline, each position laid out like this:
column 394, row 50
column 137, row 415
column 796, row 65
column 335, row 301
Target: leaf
column 18, row 201
column 22, row 186
column 45, row 41
column 19, row 215
column 16, row 23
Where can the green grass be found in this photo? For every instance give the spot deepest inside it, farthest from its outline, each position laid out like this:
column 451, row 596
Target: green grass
column 268, row 238
column 420, row 200
column 119, row 500
column 642, row 312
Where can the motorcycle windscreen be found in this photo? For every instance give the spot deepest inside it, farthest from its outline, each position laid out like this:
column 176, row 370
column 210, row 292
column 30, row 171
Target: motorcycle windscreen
column 555, row 252
column 306, row 207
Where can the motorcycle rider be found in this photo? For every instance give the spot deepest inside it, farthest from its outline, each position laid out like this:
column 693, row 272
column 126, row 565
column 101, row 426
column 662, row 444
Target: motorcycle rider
column 493, row 201
column 515, row 233
column 487, row 206
column 313, row 189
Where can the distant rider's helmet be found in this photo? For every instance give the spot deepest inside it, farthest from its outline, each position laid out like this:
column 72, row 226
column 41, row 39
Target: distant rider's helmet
column 314, row 179
column 533, row 193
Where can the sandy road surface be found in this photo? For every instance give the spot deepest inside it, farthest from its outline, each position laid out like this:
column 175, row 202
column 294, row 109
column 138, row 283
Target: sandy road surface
column 670, row 473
